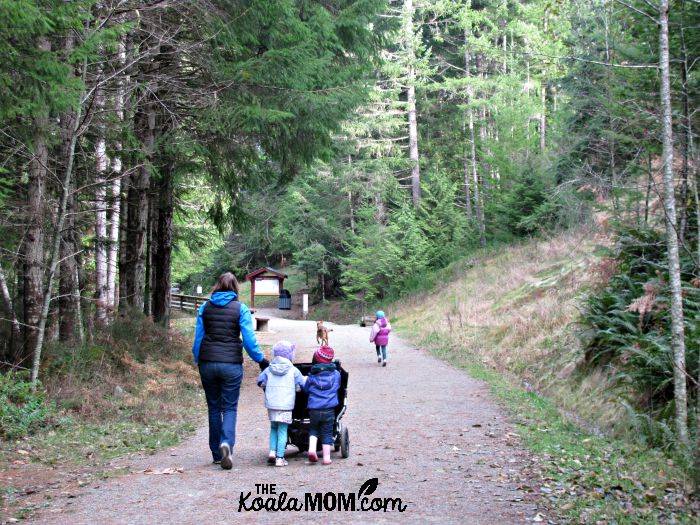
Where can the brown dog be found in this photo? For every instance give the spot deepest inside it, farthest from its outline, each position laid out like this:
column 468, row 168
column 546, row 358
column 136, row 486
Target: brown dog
column 322, row 333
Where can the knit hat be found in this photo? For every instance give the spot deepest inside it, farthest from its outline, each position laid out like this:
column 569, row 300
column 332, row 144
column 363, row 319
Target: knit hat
column 325, row 354
column 284, row 349
column 380, row 314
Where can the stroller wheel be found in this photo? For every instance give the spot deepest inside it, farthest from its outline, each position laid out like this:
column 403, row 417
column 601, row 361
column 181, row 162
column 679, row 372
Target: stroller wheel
column 345, row 443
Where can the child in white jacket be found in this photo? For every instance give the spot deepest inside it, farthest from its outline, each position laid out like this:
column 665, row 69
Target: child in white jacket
column 281, row 381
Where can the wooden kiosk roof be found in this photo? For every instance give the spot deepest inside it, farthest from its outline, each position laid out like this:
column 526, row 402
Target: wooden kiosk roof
column 265, row 269
column 263, row 274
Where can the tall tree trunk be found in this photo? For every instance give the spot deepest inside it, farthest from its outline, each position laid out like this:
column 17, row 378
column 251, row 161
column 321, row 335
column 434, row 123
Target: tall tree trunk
column 475, row 175
column 612, row 156
column 55, row 248
column 138, row 196
column 350, row 202
column 101, row 163
column 34, row 238
column 543, row 118
column 68, row 303
column 138, row 210
column 674, row 270
column 116, row 186
column 409, row 12
column 16, row 330
column 164, row 246
column 85, row 318
column 686, row 135
column 693, row 165
column 528, row 85
column 413, row 140
column 126, row 160
column 124, row 263
column 472, row 152
column 467, row 173
column 114, row 223
column 151, row 247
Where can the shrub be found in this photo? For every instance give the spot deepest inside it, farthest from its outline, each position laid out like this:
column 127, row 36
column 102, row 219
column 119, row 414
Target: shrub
column 627, row 324
column 21, row 410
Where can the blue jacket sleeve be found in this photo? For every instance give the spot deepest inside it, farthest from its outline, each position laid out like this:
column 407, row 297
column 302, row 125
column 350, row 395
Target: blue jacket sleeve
column 245, row 321
column 198, row 334
column 307, row 384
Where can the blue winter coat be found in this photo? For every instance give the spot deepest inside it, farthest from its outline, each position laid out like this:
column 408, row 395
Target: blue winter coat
column 322, row 385
column 245, row 322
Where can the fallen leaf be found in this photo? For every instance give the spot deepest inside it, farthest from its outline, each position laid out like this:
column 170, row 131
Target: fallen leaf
column 539, row 518
column 650, row 496
column 22, row 452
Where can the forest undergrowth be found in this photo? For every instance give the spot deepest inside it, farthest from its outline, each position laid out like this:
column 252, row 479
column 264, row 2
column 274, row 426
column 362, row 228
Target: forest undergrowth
column 510, row 317
column 132, row 390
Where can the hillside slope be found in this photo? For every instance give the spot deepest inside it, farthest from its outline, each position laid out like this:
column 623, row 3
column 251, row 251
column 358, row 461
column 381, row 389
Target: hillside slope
column 514, row 309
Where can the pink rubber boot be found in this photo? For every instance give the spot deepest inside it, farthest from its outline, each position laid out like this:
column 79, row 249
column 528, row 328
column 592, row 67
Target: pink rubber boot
column 313, row 457
column 327, row 455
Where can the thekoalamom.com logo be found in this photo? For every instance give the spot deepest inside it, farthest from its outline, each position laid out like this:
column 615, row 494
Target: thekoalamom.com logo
column 266, row 498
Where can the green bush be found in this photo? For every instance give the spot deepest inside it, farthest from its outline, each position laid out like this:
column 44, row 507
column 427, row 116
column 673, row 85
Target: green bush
column 21, row 410
column 627, row 324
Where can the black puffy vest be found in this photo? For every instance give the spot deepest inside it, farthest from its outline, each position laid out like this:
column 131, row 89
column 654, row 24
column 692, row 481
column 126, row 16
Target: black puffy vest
column 222, row 333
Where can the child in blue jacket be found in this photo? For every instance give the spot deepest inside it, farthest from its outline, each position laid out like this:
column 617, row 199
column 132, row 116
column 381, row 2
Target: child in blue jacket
column 322, row 385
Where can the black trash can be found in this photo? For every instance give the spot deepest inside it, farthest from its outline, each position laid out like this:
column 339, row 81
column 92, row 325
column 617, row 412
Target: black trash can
column 285, row 300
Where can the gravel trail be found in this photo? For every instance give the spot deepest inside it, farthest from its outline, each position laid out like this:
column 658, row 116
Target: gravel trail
column 429, row 433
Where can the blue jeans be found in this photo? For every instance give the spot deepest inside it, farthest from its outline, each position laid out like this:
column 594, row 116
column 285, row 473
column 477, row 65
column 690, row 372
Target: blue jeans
column 278, row 437
column 222, row 387
column 321, row 423
column 383, row 351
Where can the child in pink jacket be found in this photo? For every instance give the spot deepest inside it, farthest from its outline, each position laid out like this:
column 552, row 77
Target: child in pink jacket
column 380, row 336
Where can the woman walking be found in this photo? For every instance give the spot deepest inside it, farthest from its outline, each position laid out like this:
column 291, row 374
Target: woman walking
column 221, row 323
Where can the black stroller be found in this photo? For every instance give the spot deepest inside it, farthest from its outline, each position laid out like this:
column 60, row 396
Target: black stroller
column 298, row 432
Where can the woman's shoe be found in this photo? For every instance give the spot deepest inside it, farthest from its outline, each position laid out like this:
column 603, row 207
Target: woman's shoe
column 384, row 363
column 281, row 462
column 226, row 462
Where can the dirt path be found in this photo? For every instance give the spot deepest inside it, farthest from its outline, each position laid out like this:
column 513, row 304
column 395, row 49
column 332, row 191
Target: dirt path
column 430, row 434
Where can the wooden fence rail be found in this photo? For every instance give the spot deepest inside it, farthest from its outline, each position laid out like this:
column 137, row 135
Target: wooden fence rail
column 186, row 303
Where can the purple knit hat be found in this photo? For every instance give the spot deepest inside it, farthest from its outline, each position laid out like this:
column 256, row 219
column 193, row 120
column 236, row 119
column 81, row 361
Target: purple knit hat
column 284, row 349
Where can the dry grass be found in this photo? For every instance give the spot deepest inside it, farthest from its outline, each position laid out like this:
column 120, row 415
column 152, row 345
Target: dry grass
column 515, row 311
column 136, row 372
